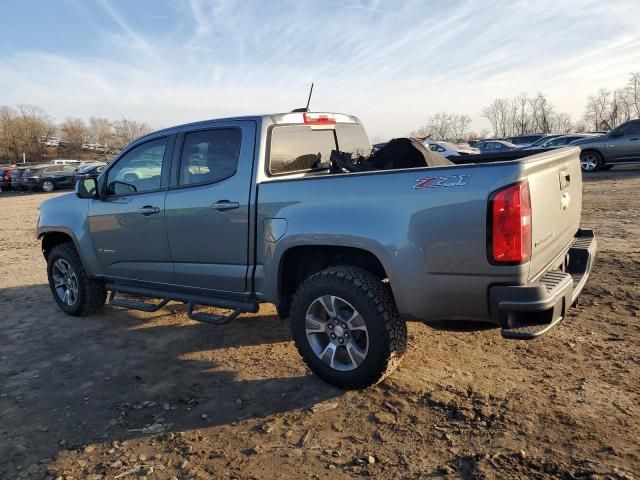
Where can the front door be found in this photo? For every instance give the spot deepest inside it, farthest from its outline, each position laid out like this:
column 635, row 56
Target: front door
column 128, row 224
column 208, row 207
column 627, row 147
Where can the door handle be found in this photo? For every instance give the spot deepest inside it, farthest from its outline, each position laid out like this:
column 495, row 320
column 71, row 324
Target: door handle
column 148, row 210
column 225, row 205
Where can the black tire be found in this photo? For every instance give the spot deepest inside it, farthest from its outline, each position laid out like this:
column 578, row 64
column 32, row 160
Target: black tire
column 91, row 294
column 590, row 161
column 387, row 334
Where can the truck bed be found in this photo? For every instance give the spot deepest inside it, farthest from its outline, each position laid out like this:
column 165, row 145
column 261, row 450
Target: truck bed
column 427, row 226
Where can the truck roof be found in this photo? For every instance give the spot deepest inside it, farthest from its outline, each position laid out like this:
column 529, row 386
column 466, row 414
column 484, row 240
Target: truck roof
column 277, row 118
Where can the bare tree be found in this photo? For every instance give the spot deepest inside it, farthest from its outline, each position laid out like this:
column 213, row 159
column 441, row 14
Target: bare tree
column 126, row 131
column 439, row 126
column 497, row 113
column 561, row 123
column 634, row 93
column 541, row 113
column 521, row 114
column 100, row 130
column 22, row 130
column 74, row 131
column 459, row 126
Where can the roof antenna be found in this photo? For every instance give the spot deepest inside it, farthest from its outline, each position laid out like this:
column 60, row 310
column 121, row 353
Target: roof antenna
column 305, row 109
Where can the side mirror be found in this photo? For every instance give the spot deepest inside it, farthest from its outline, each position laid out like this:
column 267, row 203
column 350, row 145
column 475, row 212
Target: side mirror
column 617, row 133
column 87, row 188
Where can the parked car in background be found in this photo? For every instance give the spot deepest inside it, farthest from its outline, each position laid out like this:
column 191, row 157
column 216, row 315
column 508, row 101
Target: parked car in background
column 524, row 140
column 47, row 178
column 5, row 177
column 620, row 145
column 61, row 161
column 88, row 170
column 16, row 177
column 448, row 149
column 557, row 141
column 495, row 146
column 540, row 141
column 377, row 146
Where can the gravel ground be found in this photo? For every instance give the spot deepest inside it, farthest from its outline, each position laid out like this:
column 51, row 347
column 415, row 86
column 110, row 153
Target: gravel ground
column 125, row 395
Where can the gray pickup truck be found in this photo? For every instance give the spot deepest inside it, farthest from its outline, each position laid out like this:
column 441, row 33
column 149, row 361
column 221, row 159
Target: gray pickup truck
column 236, row 212
column 619, row 146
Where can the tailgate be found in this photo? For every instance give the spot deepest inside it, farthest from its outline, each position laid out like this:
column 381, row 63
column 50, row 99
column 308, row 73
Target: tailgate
column 555, row 183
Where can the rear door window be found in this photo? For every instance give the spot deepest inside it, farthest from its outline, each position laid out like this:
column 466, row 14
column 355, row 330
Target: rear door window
column 210, row 156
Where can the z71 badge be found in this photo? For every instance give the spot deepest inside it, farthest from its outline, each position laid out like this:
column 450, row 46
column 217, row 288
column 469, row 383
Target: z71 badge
column 448, row 181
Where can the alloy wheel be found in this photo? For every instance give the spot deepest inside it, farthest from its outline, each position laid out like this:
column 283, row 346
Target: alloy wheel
column 65, row 282
column 47, row 186
column 589, row 162
column 336, row 333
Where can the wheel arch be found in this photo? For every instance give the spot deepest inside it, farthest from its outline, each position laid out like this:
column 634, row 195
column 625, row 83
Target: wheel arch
column 299, row 262
column 594, row 150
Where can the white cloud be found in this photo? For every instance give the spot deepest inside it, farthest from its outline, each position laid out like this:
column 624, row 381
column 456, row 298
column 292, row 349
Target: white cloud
column 392, row 64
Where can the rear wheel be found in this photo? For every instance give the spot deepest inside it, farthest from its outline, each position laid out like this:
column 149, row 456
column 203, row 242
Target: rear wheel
column 47, row 186
column 74, row 292
column 347, row 328
column 590, row 161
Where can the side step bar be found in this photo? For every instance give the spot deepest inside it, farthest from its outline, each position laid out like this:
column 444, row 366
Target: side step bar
column 135, row 304
column 237, row 306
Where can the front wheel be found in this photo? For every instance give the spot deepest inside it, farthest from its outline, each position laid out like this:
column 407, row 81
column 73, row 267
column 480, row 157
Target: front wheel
column 346, row 327
column 74, row 292
column 590, row 161
column 47, row 186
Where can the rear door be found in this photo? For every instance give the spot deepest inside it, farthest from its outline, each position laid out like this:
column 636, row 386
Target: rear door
column 208, row 206
column 555, row 183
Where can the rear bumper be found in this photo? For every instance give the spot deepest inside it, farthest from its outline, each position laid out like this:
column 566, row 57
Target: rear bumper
column 526, row 311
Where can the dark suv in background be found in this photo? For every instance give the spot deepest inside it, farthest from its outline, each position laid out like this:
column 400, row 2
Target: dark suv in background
column 48, row 178
column 620, row 145
column 524, row 140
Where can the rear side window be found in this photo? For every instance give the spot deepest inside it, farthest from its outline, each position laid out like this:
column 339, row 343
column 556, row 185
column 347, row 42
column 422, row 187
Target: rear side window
column 210, row 156
column 299, row 148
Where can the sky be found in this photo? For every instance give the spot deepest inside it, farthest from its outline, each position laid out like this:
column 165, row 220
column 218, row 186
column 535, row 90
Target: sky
column 391, row 63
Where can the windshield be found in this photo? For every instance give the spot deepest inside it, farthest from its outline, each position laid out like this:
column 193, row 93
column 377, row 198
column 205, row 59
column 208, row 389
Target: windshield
column 86, row 168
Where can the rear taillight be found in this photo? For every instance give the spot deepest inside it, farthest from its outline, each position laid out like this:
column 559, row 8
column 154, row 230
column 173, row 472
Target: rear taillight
column 510, row 224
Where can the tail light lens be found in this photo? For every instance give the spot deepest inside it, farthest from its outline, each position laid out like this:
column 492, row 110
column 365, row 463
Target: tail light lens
column 318, row 119
column 510, row 224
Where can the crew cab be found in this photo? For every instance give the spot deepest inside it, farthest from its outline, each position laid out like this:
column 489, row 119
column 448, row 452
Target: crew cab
column 241, row 211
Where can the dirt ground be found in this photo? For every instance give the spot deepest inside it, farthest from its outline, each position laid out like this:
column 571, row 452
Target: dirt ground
column 123, row 395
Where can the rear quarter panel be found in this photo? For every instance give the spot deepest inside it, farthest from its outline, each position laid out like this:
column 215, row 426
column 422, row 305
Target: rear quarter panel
column 431, row 241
